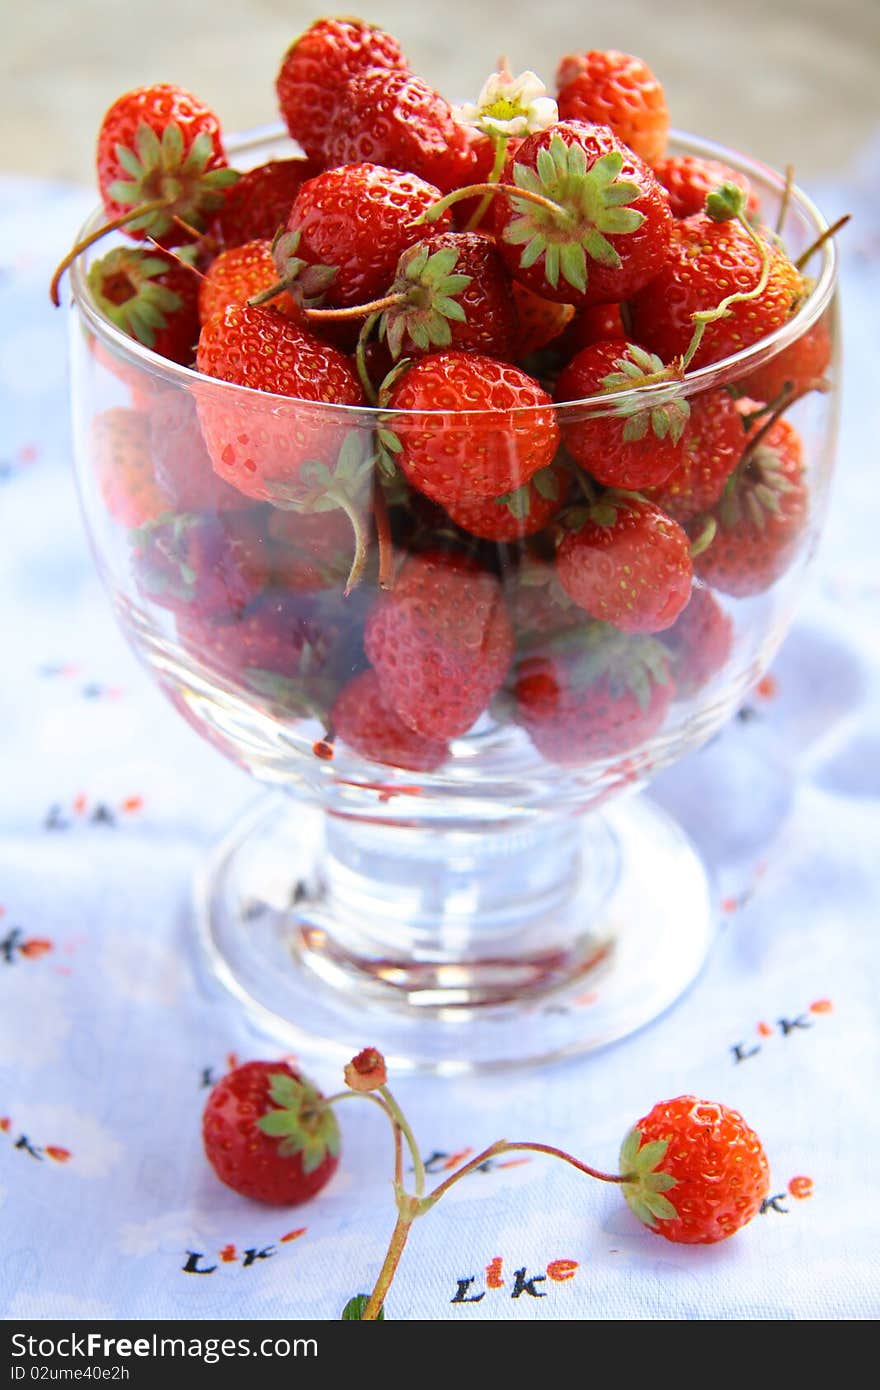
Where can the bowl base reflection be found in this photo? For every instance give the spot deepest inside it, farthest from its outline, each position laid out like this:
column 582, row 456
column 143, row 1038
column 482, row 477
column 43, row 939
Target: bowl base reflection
column 459, row 950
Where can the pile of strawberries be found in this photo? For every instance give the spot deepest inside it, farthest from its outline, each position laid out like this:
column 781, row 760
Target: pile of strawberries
column 457, row 539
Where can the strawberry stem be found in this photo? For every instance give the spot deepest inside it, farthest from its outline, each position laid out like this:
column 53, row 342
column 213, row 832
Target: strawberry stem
column 786, row 399
column 494, row 177
column 359, row 559
column 401, row 1120
column 356, row 312
column 383, row 535
column 361, row 360
column 396, row 1246
column 703, row 317
column 490, row 189
column 821, row 240
column 77, row 250
column 785, row 199
column 705, row 538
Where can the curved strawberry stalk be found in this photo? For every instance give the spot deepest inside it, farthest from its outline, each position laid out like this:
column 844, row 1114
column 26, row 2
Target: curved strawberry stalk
column 167, row 184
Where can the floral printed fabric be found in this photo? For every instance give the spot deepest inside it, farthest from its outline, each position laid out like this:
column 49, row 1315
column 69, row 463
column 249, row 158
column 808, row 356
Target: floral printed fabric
column 110, row 1032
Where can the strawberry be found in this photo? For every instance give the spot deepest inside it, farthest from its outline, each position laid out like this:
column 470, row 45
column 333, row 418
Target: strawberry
column 123, row 464
column 268, row 1136
column 455, row 293
column 616, row 90
column 699, row 642
column 713, row 446
column 440, row 643
column 799, row 367
column 363, row 720
column 161, row 145
column 280, row 647
column 496, row 446
column 521, row 513
column 216, row 565
column 761, row 516
column 538, row 605
column 396, row 119
column 180, row 459
column 610, row 234
column 316, row 68
column 254, row 208
column 238, row 275
column 262, row 451
column 151, row 297
column 596, row 323
column 699, row 1172
column 706, row 261
column 358, row 220
column 688, row 178
column 591, row 693
column 627, row 564
column 642, row 438
column 540, row 320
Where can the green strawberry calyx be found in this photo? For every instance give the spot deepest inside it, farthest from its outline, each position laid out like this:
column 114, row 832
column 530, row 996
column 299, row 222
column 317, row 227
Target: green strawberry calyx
column 125, row 286
column 755, row 490
column 162, row 170
column 645, row 1183
column 595, row 204
column 356, row 1307
column 307, row 284
column 346, row 486
column 665, row 413
column 300, row 1121
column 519, row 501
column 427, row 286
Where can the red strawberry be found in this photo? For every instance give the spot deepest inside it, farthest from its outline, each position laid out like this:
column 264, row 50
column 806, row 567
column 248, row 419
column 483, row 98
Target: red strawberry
column 798, row 367
column 493, row 449
column 396, row 119
column 761, row 517
column 596, row 323
column 316, row 69
column 592, row 694
column 713, row 446
column 699, row 1172
column 440, row 643
column 537, row 603
column 161, row 144
column 151, row 297
column 359, row 221
column 706, row 261
column 262, row 450
column 540, row 320
column 363, row 720
column 642, row 438
column 521, row 513
column 617, row 90
column 688, row 179
column 267, row 1135
column 216, row 565
column 180, row 459
column 238, row 275
column 456, row 294
column 120, row 451
column 612, row 232
column 699, row 642
column 280, row 648
column 628, row 564
column 255, row 207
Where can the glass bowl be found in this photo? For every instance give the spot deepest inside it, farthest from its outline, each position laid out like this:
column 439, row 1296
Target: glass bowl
column 470, row 889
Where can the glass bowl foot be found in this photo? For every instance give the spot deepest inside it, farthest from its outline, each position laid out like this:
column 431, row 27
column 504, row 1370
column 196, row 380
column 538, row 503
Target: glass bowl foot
column 451, row 949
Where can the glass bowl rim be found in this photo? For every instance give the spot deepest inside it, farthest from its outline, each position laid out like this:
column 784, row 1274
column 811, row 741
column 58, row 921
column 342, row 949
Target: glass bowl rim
column 715, row 374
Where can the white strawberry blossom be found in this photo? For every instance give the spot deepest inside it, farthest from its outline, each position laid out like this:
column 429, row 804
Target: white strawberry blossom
column 510, row 105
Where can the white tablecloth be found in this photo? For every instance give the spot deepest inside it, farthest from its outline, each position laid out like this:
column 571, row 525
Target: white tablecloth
column 109, row 1030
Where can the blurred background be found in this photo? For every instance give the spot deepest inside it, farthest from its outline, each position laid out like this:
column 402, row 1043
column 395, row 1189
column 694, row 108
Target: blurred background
column 789, row 81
